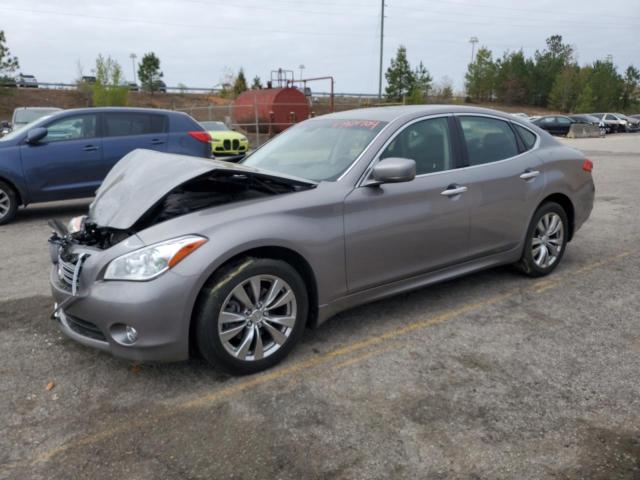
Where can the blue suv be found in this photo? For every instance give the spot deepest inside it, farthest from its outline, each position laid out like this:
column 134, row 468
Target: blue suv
column 68, row 154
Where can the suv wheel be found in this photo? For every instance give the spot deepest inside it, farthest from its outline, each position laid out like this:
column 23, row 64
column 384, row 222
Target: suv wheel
column 546, row 241
column 8, row 203
column 250, row 315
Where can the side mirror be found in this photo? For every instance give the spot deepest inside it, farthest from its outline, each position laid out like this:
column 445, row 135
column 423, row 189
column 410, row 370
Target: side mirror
column 36, row 134
column 393, row 170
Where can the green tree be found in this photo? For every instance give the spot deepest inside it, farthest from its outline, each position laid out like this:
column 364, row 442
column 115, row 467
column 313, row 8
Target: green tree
column 149, row 72
column 8, row 63
column 585, row 100
column 566, row 89
column 256, row 84
column 606, row 84
column 513, row 78
column 108, row 90
column 631, row 82
column 547, row 65
column 423, row 79
column 240, row 83
column 400, row 78
column 480, row 76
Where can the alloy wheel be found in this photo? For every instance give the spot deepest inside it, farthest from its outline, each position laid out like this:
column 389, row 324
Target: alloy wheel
column 548, row 240
column 257, row 317
column 5, row 203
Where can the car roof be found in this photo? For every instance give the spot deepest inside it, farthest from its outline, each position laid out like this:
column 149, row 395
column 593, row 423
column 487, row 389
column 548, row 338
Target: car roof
column 388, row 114
column 120, row 110
column 38, row 108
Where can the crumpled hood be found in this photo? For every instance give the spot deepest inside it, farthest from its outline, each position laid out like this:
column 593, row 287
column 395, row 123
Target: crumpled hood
column 143, row 177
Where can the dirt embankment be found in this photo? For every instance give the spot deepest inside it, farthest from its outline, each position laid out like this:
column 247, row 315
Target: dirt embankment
column 11, row 98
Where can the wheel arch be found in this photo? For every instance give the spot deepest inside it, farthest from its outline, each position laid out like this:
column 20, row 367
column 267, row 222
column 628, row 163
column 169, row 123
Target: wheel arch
column 565, row 202
column 288, row 255
column 15, row 188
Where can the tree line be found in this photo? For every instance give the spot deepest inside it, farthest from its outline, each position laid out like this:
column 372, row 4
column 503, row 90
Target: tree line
column 552, row 78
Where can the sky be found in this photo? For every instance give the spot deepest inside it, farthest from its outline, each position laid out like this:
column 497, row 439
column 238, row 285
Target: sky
column 197, row 41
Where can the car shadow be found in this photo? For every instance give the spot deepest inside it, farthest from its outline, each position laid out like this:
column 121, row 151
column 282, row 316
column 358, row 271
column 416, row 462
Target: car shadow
column 43, row 211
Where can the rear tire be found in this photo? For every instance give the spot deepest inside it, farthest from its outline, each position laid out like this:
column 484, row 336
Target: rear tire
column 250, row 315
column 8, row 203
column 546, row 241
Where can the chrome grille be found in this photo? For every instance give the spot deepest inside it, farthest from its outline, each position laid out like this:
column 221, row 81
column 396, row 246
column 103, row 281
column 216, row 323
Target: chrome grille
column 69, row 272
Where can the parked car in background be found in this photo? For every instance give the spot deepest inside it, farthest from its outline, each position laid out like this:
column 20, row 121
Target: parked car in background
column 88, row 79
column 612, row 123
column 25, row 115
column 555, row 124
column 159, row 86
column 633, row 124
column 26, row 81
column 521, row 115
column 5, row 128
column 234, row 260
column 590, row 120
column 133, row 86
column 225, row 141
column 637, row 116
column 68, row 154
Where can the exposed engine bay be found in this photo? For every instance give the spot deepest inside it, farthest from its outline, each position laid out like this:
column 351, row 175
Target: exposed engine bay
column 215, row 188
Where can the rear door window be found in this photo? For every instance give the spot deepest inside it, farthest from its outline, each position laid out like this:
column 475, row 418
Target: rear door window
column 488, row 139
column 127, row 124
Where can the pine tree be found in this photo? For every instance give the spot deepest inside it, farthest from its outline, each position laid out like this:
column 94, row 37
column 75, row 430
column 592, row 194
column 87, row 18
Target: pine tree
column 400, row 77
column 256, row 84
column 586, row 102
column 240, row 84
column 8, row 63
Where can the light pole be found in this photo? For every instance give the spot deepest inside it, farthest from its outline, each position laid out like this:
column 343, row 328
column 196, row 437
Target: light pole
column 301, row 67
column 473, row 41
column 133, row 57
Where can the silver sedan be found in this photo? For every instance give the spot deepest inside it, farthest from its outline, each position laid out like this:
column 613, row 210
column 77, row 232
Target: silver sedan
column 179, row 255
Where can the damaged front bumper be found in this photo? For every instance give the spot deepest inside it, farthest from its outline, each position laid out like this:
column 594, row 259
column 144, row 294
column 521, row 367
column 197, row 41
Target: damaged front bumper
column 99, row 312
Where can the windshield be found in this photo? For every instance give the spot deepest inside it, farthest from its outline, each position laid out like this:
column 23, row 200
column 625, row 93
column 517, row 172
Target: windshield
column 22, row 117
column 214, row 126
column 317, row 150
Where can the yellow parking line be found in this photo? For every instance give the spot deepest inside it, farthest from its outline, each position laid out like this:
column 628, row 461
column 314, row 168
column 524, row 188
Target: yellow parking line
column 279, row 373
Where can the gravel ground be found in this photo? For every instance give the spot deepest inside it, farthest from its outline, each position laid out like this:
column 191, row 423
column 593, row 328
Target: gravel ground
column 493, row 376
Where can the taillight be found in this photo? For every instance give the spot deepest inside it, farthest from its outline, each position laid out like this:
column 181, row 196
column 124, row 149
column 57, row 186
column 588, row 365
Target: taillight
column 587, row 166
column 201, row 136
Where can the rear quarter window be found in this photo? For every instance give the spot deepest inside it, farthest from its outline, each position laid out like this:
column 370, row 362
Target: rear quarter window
column 527, row 136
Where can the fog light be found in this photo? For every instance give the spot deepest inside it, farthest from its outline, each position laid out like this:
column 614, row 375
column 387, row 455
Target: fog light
column 124, row 334
column 130, row 334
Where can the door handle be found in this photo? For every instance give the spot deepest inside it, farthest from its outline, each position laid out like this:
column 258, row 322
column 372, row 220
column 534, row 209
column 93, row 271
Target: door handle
column 453, row 190
column 157, row 141
column 529, row 174
column 90, row 148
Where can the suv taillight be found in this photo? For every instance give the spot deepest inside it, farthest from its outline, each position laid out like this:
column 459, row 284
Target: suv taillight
column 201, row 136
column 587, row 166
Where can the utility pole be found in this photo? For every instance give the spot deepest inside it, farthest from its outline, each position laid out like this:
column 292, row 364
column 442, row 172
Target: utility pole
column 133, row 57
column 473, row 41
column 301, row 67
column 381, row 48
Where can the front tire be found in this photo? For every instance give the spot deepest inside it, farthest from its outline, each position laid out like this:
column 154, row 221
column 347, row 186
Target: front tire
column 250, row 315
column 8, row 203
column 546, row 241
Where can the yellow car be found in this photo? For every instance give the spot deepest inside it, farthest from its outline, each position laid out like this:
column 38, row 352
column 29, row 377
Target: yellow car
column 225, row 141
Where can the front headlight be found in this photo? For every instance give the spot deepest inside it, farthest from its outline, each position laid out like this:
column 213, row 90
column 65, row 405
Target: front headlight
column 152, row 261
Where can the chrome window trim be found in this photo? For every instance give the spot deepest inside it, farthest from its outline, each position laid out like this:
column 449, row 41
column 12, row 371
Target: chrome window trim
column 376, row 157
